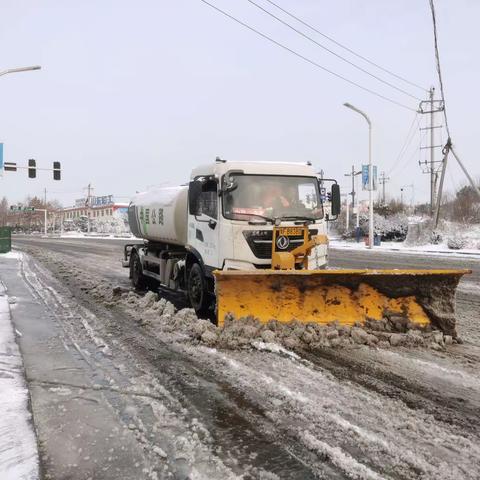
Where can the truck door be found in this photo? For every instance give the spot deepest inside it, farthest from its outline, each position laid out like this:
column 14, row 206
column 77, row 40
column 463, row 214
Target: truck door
column 203, row 228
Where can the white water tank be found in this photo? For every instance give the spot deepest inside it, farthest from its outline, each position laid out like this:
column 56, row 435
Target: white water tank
column 160, row 215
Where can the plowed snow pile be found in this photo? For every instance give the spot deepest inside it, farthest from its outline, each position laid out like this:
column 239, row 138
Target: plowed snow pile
column 161, row 316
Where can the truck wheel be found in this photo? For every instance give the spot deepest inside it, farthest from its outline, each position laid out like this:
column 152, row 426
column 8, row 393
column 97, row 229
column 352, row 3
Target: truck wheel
column 197, row 290
column 136, row 272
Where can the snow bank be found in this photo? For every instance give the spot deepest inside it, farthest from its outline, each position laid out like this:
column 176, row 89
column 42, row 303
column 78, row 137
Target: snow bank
column 11, row 254
column 403, row 248
column 448, row 235
column 449, row 238
column 18, row 447
column 98, row 236
column 421, row 236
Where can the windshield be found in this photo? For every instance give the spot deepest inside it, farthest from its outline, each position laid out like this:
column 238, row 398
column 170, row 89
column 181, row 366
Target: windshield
column 272, row 196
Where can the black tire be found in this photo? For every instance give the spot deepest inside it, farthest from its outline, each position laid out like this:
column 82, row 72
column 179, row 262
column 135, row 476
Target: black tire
column 198, row 295
column 136, row 272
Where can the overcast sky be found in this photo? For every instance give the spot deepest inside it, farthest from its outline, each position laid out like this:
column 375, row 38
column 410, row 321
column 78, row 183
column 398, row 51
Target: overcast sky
column 133, row 94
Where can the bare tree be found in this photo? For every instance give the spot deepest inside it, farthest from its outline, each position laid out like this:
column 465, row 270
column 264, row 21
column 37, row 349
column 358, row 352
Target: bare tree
column 466, row 206
column 3, row 211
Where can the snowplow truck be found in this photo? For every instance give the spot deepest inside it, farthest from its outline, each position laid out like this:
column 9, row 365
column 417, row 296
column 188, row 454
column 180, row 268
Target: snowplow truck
column 249, row 239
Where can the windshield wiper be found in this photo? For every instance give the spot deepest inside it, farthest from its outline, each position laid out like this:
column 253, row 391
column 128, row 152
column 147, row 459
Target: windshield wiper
column 268, row 219
column 297, row 217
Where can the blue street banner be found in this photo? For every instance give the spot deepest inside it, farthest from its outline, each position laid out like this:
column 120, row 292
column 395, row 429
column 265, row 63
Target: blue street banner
column 365, row 178
column 1, row 158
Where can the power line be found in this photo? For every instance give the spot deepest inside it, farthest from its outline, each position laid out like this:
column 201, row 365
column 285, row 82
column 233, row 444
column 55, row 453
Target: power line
column 414, row 152
column 406, row 143
column 437, row 61
column 448, row 145
column 344, row 47
column 331, row 51
column 304, row 58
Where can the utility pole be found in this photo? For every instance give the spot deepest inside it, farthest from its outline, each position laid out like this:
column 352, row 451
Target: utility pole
column 44, row 210
column 353, row 174
column 433, row 174
column 45, row 203
column 431, row 166
column 347, row 225
column 383, row 180
column 321, row 177
column 88, row 203
column 446, row 151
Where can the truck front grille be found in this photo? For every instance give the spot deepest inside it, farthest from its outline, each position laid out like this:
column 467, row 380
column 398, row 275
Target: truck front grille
column 260, row 242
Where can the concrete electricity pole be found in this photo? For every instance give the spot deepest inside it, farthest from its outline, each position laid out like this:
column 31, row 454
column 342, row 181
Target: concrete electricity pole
column 433, row 174
column 353, row 174
column 430, row 165
column 347, row 216
column 89, row 205
column 383, row 180
column 370, row 173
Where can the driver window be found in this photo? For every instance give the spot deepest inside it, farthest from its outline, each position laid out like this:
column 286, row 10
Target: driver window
column 208, row 200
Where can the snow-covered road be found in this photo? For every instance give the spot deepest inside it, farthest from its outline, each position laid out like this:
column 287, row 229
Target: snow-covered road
column 201, row 412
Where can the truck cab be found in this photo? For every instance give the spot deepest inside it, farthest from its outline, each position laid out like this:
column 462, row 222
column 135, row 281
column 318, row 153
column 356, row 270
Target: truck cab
column 234, row 205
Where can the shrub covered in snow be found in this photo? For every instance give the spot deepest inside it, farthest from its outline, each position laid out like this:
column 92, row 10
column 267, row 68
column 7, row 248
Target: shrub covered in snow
column 393, row 228
column 117, row 224
column 453, row 235
column 456, row 243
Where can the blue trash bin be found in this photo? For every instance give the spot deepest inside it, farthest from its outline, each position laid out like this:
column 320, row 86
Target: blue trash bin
column 358, row 234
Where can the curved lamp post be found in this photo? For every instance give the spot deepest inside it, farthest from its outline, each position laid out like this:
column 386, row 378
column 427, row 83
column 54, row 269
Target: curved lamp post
column 370, row 173
column 20, row 69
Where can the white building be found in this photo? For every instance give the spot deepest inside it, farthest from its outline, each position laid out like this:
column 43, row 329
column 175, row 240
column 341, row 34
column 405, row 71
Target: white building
column 97, row 214
column 95, row 208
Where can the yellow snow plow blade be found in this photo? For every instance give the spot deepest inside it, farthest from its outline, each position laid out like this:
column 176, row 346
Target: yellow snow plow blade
column 420, row 298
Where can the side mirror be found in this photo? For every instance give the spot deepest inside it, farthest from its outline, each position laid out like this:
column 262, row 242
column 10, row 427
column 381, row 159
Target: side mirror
column 335, row 200
column 194, row 192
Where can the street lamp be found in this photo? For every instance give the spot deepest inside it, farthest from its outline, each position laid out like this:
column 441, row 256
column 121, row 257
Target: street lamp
column 20, row 69
column 370, row 172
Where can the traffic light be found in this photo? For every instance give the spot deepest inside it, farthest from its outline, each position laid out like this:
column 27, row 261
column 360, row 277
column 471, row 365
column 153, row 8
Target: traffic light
column 56, row 171
column 32, row 169
column 10, row 166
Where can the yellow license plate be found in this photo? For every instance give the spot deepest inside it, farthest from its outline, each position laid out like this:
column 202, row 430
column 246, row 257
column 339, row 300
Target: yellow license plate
column 290, row 231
